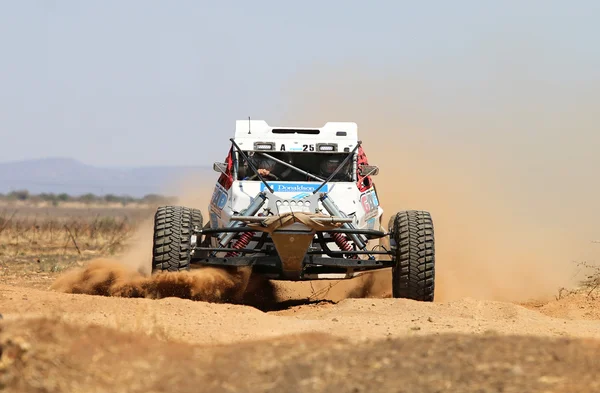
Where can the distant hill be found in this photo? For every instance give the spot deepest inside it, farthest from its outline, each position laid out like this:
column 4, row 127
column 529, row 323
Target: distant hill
column 58, row 175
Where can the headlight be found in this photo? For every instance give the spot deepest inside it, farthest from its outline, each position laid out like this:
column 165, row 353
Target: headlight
column 264, row 146
column 326, row 147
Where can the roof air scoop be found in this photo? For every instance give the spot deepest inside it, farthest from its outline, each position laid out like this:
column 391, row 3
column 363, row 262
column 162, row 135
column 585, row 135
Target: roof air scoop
column 295, row 131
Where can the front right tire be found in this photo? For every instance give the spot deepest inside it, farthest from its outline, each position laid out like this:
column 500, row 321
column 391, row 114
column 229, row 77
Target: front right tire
column 173, row 229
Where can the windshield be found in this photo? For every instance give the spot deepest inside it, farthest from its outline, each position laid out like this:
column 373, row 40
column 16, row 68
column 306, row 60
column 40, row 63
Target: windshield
column 319, row 165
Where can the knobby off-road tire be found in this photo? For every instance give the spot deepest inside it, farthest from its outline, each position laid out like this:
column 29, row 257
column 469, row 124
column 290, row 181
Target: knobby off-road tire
column 413, row 274
column 173, row 226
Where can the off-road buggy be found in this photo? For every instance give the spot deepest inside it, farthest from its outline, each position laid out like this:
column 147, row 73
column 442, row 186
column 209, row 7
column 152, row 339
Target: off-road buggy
column 299, row 204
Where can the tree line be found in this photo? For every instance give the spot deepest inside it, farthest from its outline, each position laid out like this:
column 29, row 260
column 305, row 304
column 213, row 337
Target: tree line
column 55, row 199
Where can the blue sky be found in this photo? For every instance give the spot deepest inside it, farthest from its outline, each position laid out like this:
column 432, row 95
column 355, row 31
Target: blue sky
column 132, row 82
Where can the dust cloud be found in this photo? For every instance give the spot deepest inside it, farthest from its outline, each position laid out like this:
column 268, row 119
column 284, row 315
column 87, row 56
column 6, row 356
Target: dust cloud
column 129, row 274
column 105, row 277
column 506, row 161
column 505, row 167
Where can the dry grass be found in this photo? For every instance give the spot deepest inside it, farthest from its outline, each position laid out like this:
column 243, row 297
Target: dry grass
column 25, row 235
column 38, row 243
column 589, row 285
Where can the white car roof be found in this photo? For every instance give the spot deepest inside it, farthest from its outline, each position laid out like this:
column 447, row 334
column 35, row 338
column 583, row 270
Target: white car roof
column 249, row 132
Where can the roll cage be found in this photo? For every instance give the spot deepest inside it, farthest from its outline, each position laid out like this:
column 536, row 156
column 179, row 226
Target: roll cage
column 360, row 173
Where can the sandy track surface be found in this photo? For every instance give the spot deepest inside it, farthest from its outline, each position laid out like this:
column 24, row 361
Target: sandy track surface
column 51, row 356
column 56, row 342
column 352, row 319
column 138, row 339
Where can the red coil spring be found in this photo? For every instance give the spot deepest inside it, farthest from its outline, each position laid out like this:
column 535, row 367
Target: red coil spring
column 242, row 242
column 343, row 243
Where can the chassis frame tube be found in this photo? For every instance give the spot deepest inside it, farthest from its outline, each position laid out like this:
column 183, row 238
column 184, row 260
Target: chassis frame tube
column 374, row 234
column 334, row 211
column 258, row 202
column 322, row 219
column 309, row 261
column 254, row 251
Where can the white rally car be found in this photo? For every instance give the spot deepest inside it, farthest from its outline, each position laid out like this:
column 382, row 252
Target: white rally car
column 299, row 204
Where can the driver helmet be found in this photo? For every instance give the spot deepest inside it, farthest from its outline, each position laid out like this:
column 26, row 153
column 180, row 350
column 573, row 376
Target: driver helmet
column 265, row 163
column 329, row 166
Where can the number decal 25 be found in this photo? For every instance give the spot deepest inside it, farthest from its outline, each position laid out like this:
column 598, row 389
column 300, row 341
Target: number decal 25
column 308, row 147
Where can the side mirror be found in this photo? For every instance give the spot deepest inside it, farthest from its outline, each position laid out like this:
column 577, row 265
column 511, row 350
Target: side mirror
column 369, row 170
column 220, row 167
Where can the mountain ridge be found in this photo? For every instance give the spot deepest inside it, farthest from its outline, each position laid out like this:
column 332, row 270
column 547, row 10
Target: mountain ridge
column 71, row 176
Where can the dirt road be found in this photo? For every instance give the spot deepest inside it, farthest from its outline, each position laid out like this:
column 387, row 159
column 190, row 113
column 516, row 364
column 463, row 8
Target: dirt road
column 352, row 319
column 60, row 342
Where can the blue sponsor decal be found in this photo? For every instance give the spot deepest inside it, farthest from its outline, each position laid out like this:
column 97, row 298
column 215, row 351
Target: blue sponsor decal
column 219, row 198
column 295, row 187
column 300, row 196
column 371, row 223
column 222, row 201
column 375, row 200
